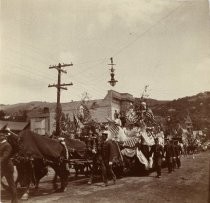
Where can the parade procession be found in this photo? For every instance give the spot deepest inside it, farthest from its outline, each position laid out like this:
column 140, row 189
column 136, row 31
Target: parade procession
column 132, row 143
column 105, row 101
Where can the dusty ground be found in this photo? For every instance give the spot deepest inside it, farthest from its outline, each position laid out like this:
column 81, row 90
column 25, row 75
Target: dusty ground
column 188, row 184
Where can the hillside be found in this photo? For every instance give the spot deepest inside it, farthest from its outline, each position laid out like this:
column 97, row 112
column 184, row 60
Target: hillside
column 197, row 106
column 10, row 109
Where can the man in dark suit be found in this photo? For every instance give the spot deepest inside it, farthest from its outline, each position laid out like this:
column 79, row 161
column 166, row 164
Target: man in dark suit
column 98, row 159
column 169, row 154
column 158, row 152
column 6, row 166
column 178, row 152
column 111, row 155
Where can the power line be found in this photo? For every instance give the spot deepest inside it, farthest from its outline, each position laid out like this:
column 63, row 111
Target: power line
column 147, row 30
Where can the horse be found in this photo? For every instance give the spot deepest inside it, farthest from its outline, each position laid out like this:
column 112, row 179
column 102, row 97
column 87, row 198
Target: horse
column 34, row 153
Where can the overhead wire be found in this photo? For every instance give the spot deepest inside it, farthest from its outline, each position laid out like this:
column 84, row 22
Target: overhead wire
column 147, row 30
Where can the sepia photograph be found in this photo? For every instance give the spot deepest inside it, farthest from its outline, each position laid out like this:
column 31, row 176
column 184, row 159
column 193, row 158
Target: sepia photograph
column 105, row 101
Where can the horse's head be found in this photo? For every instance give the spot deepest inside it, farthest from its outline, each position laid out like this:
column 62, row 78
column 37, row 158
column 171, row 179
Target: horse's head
column 14, row 140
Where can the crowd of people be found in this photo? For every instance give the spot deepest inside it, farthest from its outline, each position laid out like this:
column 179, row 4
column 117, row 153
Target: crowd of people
column 107, row 153
column 170, row 154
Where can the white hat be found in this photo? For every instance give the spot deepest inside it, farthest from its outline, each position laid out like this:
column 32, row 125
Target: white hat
column 143, row 103
column 105, row 132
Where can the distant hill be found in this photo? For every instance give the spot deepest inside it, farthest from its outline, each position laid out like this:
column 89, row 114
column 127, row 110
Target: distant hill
column 197, row 106
column 153, row 102
column 9, row 109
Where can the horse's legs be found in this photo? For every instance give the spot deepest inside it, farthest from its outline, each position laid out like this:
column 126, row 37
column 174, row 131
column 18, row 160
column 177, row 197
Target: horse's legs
column 25, row 195
column 55, row 185
column 63, row 178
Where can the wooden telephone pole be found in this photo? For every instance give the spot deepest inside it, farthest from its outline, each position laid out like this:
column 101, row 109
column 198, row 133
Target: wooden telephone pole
column 59, row 86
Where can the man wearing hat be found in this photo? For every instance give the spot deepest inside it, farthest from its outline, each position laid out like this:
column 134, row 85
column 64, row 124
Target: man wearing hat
column 178, row 152
column 98, row 158
column 6, row 166
column 169, row 154
column 158, row 152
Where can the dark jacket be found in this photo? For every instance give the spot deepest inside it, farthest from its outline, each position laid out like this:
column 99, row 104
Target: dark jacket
column 5, row 155
column 169, row 150
column 111, row 151
column 178, row 150
column 158, row 151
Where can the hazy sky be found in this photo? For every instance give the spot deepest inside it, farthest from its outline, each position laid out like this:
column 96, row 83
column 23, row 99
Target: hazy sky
column 161, row 43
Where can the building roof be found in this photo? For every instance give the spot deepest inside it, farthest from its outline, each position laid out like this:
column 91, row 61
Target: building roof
column 16, row 126
column 119, row 96
column 39, row 113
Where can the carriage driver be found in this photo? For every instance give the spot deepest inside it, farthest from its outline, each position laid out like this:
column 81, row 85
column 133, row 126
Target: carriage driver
column 6, row 166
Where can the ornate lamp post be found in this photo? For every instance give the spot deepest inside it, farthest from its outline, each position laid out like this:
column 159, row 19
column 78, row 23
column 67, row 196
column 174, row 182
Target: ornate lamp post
column 112, row 82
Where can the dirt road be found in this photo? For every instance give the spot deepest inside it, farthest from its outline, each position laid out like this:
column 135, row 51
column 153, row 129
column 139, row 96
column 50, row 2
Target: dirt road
column 188, row 184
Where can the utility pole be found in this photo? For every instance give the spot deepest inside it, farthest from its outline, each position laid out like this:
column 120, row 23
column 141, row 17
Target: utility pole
column 59, row 86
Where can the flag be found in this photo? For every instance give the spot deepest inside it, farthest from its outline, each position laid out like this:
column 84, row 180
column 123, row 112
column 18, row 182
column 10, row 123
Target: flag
column 147, row 140
column 77, row 122
column 114, row 130
column 128, row 152
column 131, row 142
column 149, row 115
column 142, row 158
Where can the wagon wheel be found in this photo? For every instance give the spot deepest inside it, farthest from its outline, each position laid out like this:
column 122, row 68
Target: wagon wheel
column 88, row 168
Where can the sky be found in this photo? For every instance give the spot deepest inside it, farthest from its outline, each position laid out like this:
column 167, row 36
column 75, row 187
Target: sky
column 161, row 43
